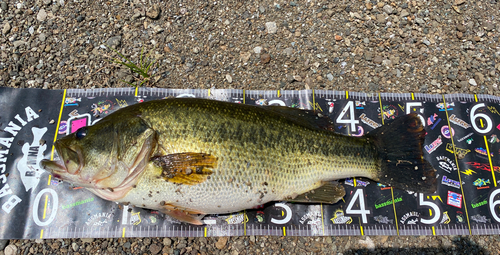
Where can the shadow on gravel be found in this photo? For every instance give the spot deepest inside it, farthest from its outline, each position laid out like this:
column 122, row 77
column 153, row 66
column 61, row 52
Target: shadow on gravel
column 463, row 246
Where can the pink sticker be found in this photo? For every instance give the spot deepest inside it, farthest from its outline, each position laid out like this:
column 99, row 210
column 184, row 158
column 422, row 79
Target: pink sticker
column 78, row 123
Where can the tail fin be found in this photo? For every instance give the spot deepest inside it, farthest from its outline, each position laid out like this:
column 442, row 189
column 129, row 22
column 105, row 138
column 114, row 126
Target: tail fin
column 399, row 145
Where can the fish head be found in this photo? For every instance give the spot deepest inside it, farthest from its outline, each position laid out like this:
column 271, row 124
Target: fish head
column 108, row 155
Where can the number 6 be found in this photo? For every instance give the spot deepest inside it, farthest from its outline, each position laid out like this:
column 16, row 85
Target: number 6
column 474, row 116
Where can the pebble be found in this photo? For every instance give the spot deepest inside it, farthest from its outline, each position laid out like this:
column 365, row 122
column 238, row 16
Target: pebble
column 329, row 77
column 271, row 27
column 42, row 15
column 388, row 9
column 377, row 59
column 265, row 58
column 114, row 41
column 221, row 242
column 338, row 38
column 229, row 78
column 6, row 28
column 3, row 243
column 154, row 249
column 10, row 250
column 472, row 82
column 153, row 12
column 288, row 51
column 404, row 13
column 257, row 50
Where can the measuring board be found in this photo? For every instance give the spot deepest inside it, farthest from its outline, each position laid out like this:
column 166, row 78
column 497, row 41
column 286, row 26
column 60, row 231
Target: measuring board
column 462, row 144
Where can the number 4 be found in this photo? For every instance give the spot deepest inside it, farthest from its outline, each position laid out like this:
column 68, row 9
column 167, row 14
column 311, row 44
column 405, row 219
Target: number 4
column 359, row 194
column 348, row 107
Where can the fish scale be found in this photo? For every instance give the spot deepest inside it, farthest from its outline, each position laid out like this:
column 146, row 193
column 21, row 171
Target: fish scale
column 287, row 158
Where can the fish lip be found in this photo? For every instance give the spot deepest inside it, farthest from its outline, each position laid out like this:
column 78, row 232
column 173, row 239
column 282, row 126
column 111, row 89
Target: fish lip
column 59, row 167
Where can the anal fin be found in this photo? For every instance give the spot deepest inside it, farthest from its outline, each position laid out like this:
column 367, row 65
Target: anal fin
column 329, row 192
column 183, row 214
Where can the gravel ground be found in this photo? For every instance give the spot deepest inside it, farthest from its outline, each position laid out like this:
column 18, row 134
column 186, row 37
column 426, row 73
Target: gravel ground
column 449, row 46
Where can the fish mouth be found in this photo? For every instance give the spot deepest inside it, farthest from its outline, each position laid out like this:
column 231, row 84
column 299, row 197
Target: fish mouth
column 70, row 161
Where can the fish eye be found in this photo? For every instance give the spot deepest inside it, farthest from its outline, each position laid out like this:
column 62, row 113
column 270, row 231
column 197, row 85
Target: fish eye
column 81, row 133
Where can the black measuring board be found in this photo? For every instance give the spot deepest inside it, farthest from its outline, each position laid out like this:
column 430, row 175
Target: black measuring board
column 462, row 144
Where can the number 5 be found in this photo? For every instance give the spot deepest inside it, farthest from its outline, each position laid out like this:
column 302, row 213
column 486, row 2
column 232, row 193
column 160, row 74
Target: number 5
column 435, row 207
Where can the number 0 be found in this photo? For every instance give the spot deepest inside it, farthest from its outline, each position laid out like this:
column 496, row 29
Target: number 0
column 53, row 211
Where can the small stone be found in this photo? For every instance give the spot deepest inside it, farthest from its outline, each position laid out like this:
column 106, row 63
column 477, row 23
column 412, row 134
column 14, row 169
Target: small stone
column 329, row 77
column 271, row 27
column 479, row 77
column 153, row 12
column 245, row 56
column 297, row 78
column 229, row 78
column 488, row 26
column 6, row 28
column 167, row 241
column 126, row 245
column 18, row 43
column 3, row 6
column 10, row 250
column 154, row 249
column 462, row 84
column 388, row 9
column 87, row 240
column 42, row 15
column 366, row 40
column 114, row 41
column 369, row 6
column 347, row 42
column 426, row 42
column 338, row 38
column 80, row 18
column 158, row 29
column 368, row 56
column 265, row 58
column 472, row 82
column 378, row 59
column 477, row 38
column 386, row 62
column 381, row 18
column 262, row 9
column 221, row 243
column 461, row 28
column 288, row 51
column 459, row 2
column 452, row 77
column 404, row 13
column 420, row 21
column 380, row 4
column 74, row 246
column 459, row 34
column 257, row 50
column 47, row 2
column 398, row 73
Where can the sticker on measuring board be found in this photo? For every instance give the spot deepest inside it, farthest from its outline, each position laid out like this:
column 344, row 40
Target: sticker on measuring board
column 462, row 144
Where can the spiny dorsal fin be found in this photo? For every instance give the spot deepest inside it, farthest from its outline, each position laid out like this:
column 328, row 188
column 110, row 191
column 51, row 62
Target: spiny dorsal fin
column 185, row 168
column 330, row 193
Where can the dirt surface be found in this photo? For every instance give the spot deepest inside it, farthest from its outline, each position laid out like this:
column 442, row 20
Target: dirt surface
column 441, row 46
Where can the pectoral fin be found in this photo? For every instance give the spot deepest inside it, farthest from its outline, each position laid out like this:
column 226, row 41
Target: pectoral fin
column 330, row 193
column 183, row 214
column 185, row 168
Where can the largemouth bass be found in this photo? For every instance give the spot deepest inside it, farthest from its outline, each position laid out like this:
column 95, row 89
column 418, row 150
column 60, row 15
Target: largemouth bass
column 190, row 157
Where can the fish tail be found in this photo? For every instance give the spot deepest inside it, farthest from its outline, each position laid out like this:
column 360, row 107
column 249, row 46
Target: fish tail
column 402, row 165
